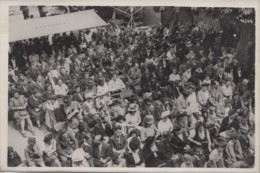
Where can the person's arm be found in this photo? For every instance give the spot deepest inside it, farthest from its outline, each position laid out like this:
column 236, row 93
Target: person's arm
column 157, row 133
column 66, row 89
column 121, row 84
column 60, row 150
column 37, row 150
column 209, row 140
column 27, row 157
column 32, row 103
column 231, row 152
column 74, row 140
column 142, row 135
column 109, row 154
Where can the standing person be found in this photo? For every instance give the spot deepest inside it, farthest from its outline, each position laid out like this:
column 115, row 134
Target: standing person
column 18, row 105
column 33, row 154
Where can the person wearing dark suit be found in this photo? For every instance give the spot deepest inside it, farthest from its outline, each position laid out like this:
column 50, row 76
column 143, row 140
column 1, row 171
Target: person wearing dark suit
column 104, row 127
column 39, row 85
column 220, row 76
column 78, row 95
column 229, row 121
column 179, row 141
column 118, row 141
column 102, row 151
column 134, row 158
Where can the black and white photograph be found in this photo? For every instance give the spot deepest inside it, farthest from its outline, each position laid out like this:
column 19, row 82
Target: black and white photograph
column 131, row 86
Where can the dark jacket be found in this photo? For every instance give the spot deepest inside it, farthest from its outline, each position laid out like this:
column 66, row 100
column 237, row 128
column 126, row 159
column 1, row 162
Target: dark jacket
column 130, row 162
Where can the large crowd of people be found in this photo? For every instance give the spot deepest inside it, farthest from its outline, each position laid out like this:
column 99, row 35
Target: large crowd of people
column 115, row 97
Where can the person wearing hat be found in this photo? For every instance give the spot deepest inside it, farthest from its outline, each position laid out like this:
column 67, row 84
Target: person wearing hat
column 51, row 105
column 35, row 107
column 133, row 118
column 149, row 128
column 18, row 105
column 78, row 158
column 165, row 125
column 33, row 154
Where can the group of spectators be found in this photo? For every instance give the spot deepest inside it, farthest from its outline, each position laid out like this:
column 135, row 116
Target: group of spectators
column 115, row 97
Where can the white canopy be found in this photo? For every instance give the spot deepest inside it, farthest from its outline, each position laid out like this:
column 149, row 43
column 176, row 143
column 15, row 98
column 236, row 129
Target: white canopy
column 36, row 27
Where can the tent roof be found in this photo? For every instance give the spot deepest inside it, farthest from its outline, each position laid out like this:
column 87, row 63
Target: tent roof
column 24, row 29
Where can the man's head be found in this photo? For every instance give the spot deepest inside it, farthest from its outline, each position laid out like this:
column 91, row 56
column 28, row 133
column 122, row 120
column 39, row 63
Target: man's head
column 31, row 141
column 98, row 139
column 118, row 130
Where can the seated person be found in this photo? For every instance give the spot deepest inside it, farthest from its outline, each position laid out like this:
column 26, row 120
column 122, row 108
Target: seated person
column 35, row 108
column 116, row 84
column 50, row 155
column 66, row 144
column 13, row 159
column 118, row 141
column 179, row 141
column 134, row 158
column 18, row 105
column 102, row 152
column 33, row 154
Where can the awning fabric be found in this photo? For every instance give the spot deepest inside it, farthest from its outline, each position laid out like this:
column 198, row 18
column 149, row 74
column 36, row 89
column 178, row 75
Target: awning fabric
column 30, row 28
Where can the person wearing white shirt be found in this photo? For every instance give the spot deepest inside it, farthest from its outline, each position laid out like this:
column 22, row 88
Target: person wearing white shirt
column 165, row 125
column 227, row 89
column 174, row 76
column 50, row 154
column 61, row 89
column 116, row 84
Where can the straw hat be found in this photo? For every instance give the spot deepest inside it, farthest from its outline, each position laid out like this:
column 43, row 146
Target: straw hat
column 132, row 108
column 165, row 114
column 148, row 119
column 78, row 155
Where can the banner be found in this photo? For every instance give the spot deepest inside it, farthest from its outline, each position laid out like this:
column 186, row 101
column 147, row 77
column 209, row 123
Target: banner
column 36, row 27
